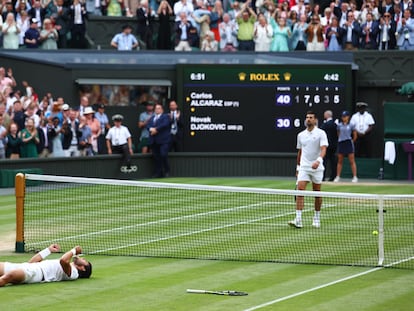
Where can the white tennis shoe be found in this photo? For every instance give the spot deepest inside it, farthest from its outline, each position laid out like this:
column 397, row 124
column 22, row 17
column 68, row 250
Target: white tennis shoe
column 295, row 223
column 316, row 223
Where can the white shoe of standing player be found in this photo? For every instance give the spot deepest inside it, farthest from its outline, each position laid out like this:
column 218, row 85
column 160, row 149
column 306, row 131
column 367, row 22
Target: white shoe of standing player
column 337, row 179
column 295, row 223
column 316, row 223
column 354, row 179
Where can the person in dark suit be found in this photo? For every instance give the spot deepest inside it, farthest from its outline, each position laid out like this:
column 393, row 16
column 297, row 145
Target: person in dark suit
column 42, row 146
column 37, row 12
column 350, row 40
column 60, row 15
column 176, row 143
column 386, row 32
column 329, row 126
column 369, row 33
column 78, row 17
column 145, row 20
column 186, row 35
column 159, row 127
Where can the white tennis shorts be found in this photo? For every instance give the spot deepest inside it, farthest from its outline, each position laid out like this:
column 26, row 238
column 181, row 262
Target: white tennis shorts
column 32, row 272
column 315, row 176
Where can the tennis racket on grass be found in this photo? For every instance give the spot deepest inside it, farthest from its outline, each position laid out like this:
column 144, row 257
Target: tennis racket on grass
column 220, row 292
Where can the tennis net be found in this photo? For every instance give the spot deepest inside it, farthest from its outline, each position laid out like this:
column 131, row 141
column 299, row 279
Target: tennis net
column 152, row 219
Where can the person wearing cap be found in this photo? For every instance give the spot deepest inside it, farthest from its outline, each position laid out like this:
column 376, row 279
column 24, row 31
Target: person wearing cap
column 125, row 41
column 65, row 111
column 69, row 267
column 159, row 127
column 118, row 140
column 364, row 123
column 346, row 138
column 32, row 35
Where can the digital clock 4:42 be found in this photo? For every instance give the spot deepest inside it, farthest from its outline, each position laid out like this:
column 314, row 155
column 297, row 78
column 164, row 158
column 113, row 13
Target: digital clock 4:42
column 331, row 77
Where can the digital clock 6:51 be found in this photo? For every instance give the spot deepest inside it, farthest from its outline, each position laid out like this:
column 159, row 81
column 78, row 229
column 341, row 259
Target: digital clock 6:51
column 197, row 76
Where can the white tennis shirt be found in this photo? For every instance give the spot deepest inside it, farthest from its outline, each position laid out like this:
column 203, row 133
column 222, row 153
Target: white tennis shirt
column 311, row 142
column 53, row 271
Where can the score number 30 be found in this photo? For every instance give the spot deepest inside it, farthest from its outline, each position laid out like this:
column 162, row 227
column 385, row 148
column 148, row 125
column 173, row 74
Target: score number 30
column 286, row 123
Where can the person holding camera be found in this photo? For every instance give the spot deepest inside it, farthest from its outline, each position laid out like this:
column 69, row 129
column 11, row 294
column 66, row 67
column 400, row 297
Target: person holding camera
column 84, row 137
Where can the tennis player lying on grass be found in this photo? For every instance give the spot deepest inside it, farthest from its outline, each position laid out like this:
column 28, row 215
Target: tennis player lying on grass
column 69, row 267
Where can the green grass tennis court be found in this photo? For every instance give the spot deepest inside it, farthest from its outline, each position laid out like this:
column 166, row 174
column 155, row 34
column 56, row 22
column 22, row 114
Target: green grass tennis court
column 149, row 283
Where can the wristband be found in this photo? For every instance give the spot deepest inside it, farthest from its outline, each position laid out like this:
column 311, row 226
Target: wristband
column 297, row 167
column 44, row 253
column 73, row 250
column 319, row 159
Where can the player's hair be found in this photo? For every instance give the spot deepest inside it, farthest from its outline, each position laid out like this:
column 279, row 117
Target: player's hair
column 87, row 273
column 311, row 112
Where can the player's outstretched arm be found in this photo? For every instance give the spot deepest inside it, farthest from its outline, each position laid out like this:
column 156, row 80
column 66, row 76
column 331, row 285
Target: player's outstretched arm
column 67, row 257
column 54, row 248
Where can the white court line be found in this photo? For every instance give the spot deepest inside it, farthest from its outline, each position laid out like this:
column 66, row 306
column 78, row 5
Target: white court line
column 203, row 230
column 165, row 221
column 192, row 232
column 326, row 285
column 174, row 219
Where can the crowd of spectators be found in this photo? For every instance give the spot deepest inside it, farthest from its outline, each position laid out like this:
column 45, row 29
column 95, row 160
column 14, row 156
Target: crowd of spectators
column 42, row 24
column 212, row 25
column 32, row 126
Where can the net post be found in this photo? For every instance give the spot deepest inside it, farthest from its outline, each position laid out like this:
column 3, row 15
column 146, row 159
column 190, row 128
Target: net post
column 380, row 231
column 20, row 185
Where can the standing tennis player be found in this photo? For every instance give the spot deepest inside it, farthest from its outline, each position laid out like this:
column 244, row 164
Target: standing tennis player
column 311, row 144
column 69, row 267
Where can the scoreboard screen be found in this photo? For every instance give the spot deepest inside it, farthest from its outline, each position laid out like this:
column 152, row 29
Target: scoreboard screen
column 256, row 108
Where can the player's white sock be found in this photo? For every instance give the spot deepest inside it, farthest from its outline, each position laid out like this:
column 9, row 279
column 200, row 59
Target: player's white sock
column 317, row 214
column 298, row 214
